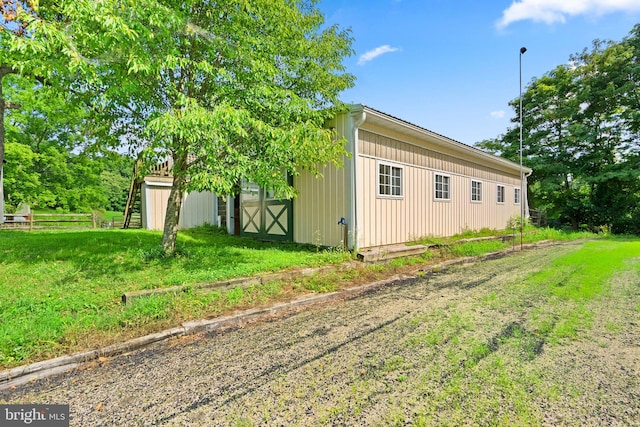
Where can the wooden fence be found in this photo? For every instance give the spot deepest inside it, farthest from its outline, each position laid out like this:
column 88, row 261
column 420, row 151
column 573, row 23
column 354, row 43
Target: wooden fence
column 39, row 221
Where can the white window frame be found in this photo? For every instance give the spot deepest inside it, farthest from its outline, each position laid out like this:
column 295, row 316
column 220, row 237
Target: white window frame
column 516, row 196
column 499, row 193
column 478, row 194
column 391, row 185
column 435, row 187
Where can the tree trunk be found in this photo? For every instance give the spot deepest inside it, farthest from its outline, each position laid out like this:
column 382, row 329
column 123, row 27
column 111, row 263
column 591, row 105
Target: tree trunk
column 172, row 216
column 3, row 72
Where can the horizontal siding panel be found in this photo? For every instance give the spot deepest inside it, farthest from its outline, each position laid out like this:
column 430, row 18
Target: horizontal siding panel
column 385, row 221
column 384, row 147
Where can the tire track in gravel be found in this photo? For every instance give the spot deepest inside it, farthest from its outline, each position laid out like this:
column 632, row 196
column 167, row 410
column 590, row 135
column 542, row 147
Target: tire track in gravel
column 242, row 389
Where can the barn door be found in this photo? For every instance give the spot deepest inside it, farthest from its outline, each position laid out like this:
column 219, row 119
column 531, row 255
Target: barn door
column 264, row 216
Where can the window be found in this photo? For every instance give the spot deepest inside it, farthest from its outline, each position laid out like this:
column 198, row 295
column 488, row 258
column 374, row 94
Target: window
column 500, row 192
column 442, row 187
column 389, row 180
column 476, row 191
column 516, row 196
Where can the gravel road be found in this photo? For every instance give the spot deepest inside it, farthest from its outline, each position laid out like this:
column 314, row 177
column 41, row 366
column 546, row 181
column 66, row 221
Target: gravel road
column 409, row 354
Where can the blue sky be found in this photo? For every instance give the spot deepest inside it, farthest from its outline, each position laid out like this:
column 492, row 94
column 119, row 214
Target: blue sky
column 451, row 66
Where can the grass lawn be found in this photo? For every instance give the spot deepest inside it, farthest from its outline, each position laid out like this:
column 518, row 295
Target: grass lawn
column 60, row 291
column 541, row 337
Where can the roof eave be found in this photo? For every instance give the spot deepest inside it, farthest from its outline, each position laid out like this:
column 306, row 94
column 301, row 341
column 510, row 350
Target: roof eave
column 378, row 117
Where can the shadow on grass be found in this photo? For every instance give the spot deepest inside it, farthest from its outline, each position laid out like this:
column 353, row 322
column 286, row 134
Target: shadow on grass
column 100, row 253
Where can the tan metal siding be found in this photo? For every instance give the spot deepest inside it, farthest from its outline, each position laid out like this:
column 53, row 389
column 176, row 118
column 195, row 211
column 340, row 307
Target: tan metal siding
column 411, row 152
column 385, row 221
column 197, row 208
column 320, row 204
column 154, row 202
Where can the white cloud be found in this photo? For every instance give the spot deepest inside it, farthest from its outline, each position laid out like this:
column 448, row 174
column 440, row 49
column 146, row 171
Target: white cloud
column 372, row 54
column 497, row 114
column 552, row 11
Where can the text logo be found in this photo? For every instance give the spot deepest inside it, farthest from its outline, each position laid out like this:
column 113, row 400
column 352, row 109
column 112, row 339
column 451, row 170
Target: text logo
column 34, row 415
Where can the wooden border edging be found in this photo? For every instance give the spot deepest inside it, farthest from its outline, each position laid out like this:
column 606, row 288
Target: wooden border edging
column 241, row 282
column 27, row 373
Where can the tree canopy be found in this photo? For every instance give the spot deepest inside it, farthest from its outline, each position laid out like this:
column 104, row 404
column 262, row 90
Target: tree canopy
column 230, row 90
column 47, row 56
column 581, row 127
column 234, row 90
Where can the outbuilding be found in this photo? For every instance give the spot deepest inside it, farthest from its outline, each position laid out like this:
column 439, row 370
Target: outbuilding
column 399, row 183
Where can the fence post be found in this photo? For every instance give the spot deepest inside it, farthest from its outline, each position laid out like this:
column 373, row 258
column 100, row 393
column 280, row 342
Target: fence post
column 93, row 220
column 31, row 221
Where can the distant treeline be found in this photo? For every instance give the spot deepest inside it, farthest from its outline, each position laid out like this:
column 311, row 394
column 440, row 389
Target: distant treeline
column 581, row 137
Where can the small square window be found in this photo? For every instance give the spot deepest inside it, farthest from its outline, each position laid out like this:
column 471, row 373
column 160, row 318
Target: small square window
column 442, row 187
column 389, row 180
column 476, row 191
column 500, row 193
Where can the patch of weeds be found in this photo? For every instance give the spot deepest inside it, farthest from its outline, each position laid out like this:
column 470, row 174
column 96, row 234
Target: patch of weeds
column 552, row 391
column 238, row 421
column 444, row 332
column 420, row 420
column 395, row 417
column 234, row 296
column 489, row 299
column 477, row 352
column 376, row 268
column 476, row 248
column 271, row 288
column 568, row 326
column 428, row 240
column 333, row 412
column 350, row 274
column 537, row 234
column 321, row 283
column 406, row 261
column 393, row 363
column 145, row 309
column 152, row 254
column 613, row 327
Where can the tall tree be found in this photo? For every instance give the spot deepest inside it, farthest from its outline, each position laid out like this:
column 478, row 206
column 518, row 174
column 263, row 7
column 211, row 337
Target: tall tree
column 54, row 158
column 230, row 91
column 54, row 44
column 581, row 129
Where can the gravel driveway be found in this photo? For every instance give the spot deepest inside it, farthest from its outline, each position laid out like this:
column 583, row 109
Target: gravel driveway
column 441, row 349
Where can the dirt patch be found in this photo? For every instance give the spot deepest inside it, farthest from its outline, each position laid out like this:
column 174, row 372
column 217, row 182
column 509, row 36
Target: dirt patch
column 467, row 346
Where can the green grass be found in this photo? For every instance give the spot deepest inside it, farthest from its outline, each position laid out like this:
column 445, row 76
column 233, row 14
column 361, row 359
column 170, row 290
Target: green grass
column 537, row 234
column 495, row 379
column 477, row 248
column 530, row 234
column 60, row 290
column 320, row 284
column 573, row 281
column 466, row 234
